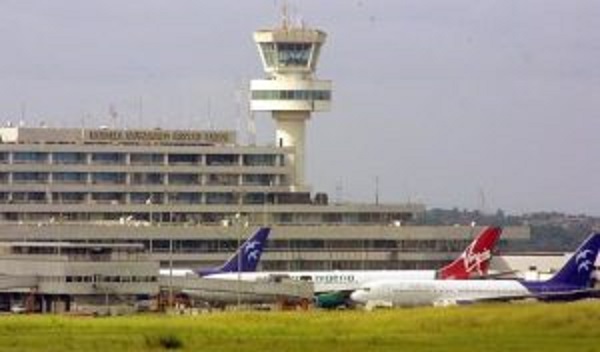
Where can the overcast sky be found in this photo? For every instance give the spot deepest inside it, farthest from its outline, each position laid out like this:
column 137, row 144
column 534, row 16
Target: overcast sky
column 475, row 104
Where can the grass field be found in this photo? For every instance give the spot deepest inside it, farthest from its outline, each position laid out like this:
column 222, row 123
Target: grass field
column 485, row 328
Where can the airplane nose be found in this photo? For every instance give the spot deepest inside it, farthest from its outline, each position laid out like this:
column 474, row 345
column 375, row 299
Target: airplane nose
column 358, row 296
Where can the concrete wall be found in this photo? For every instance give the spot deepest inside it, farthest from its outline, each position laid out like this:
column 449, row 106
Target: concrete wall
column 54, row 272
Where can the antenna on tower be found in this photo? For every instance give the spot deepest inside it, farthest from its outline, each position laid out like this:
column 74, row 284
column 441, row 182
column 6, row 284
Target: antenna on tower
column 285, row 16
column 295, row 17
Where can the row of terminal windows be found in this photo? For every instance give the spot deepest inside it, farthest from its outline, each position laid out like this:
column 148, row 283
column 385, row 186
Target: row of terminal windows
column 321, row 265
column 134, row 198
column 318, row 265
column 143, row 158
column 143, row 178
column 296, row 245
column 291, row 95
column 192, row 216
column 103, row 278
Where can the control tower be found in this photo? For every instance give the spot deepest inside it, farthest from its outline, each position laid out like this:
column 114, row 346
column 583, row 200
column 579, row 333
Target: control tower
column 291, row 91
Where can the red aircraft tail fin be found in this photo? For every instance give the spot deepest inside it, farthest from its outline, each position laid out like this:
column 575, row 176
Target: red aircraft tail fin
column 475, row 260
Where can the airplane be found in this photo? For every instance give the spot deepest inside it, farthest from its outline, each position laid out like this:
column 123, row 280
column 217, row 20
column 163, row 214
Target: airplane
column 333, row 288
column 573, row 281
column 251, row 251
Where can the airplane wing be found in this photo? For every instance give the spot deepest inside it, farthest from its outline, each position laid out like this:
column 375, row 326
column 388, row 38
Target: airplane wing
column 548, row 297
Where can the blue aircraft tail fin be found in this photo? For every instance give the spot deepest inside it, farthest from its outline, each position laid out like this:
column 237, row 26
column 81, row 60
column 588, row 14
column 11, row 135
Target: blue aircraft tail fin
column 247, row 255
column 579, row 268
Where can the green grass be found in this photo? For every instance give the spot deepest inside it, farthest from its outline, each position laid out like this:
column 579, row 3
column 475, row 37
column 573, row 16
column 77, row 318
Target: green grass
column 477, row 328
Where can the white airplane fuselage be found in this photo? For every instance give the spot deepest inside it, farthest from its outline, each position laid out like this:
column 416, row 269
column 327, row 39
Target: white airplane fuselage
column 332, row 281
column 436, row 292
column 176, row 272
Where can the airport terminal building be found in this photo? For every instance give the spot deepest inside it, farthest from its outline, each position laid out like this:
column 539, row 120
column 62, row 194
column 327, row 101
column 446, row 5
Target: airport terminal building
column 189, row 196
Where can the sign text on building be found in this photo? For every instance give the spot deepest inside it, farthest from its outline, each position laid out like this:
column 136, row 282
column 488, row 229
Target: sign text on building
column 187, row 137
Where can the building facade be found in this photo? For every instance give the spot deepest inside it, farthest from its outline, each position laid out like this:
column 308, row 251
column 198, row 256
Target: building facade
column 75, row 277
column 184, row 198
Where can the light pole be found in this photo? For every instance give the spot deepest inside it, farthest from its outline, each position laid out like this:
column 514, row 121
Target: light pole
column 150, row 203
column 240, row 222
column 171, row 301
column 170, row 272
column 238, row 228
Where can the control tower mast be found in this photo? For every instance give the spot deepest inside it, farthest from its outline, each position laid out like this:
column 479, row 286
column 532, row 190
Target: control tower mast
column 291, row 92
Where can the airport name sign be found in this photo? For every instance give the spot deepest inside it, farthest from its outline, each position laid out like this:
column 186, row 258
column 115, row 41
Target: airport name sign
column 160, row 136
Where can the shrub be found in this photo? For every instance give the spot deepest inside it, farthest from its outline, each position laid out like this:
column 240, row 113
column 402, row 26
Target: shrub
column 168, row 342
